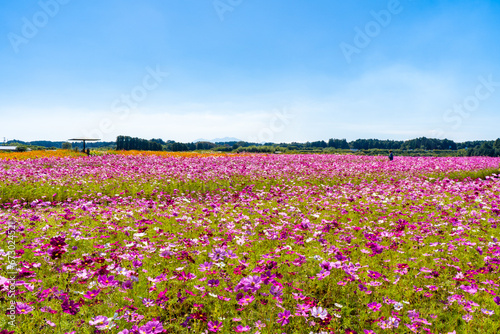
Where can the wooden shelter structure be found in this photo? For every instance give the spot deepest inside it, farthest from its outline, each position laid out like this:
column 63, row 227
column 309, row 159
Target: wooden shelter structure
column 83, row 140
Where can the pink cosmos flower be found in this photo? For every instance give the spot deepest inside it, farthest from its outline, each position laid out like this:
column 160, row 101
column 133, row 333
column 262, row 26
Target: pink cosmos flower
column 50, row 323
column 249, row 283
column 487, row 312
column 100, row 319
column 205, row 266
column 218, row 254
column 467, row 317
column 214, row 326
column 276, row 291
column 148, row 302
column 91, row 294
column 48, row 310
column 374, row 274
column 319, row 312
column 100, row 322
column 104, row 280
column 22, row 308
column 298, row 296
column 240, row 329
column 127, row 285
column 302, row 310
column 152, row 327
column 246, row 300
column 326, row 265
column 375, row 307
column 323, row 274
column 469, row 288
column 259, row 324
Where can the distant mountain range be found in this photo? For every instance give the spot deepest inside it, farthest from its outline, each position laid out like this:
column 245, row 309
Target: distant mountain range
column 218, row 140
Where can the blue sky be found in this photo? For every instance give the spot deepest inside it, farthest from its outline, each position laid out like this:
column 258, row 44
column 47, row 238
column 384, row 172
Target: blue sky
column 256, row 70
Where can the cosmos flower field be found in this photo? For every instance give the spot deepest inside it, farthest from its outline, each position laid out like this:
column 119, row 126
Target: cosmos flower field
column 249, row 243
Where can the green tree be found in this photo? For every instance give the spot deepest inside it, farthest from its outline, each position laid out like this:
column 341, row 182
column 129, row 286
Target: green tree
column 496, row 145
column 21, row 148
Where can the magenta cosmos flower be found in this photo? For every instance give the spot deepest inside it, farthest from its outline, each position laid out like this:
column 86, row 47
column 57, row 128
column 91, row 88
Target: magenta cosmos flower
column 213, row 283
column 374, row 274
column 323, row 274
column 106, row 281
column 214, row 326
column 218, row 254
column 241, row 329
column 374, row 306
column 276, row 291
column 250, row 283
column 246, row 300
column 284, row 318
column 91, row 294
column 469, row 288
column 70, row 307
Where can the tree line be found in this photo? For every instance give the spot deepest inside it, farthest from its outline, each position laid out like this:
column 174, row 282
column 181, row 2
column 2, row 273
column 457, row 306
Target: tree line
column 417, row 146
column 132, row 143
column 47, row 144
column 486, row 149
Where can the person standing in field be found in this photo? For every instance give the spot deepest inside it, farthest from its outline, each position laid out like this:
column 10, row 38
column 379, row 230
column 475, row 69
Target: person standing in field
column 391, row 156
